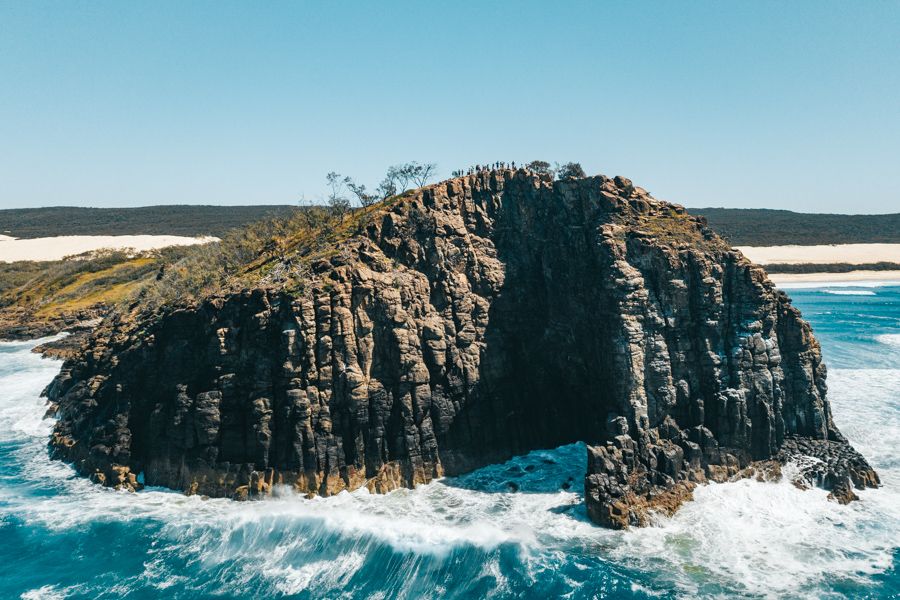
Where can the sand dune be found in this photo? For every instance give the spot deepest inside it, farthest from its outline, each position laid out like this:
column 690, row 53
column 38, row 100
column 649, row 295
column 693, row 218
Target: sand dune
column 868, row 278
column 55, row 248
column 854, row 254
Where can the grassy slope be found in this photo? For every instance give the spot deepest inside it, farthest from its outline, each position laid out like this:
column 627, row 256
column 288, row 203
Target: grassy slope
column 33, row 293
column 270, row 253
column 108, row 286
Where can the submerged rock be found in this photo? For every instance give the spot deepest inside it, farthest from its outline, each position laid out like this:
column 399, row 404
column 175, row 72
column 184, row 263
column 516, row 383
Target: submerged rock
column 468, row 322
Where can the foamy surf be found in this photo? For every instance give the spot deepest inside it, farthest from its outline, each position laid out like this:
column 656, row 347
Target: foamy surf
column 460, row 537
column 890, row 339
column 850, row 292
column 775, row 540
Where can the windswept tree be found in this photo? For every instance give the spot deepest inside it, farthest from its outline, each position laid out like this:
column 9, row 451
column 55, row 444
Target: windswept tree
column 396, row 181
column 401, row 176
column 542, row 167
column 422, row 173
column 365, row 198
column 386, row 188
column 337, row 201
column 570, row 169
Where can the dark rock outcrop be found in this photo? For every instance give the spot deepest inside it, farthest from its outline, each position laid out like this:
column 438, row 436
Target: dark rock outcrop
column 17, row 323
column 468, row 322
column 20, row 324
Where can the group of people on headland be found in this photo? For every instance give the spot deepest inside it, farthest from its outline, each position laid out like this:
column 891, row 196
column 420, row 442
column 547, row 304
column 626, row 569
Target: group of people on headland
column 536, row 167
column 488, row 167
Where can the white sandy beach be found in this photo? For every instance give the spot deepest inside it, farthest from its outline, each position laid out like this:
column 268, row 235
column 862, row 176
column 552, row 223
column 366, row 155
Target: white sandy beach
column 55, row 248
column 866, row 278
column 854, row 254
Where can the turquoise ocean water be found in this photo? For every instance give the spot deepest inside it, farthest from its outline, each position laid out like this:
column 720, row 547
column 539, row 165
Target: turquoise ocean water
column 470, row 537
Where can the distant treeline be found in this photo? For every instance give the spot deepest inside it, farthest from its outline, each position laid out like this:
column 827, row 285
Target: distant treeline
column 830, row 267
column 765, row 227
column 741, row 227
column 184, row 220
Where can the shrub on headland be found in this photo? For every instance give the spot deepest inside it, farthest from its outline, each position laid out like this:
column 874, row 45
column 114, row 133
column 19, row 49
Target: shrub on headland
column 246, row 255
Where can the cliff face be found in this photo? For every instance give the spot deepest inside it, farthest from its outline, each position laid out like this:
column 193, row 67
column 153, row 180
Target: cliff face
column 471, row 321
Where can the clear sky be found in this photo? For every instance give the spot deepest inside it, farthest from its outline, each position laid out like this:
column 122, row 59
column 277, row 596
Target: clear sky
column 743, row 104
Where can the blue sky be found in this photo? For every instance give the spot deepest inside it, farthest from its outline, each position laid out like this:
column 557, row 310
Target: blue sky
column 757, row 104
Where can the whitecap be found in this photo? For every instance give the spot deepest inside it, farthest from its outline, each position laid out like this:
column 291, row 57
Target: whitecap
column 323, row 574
column 850, row 292
column 891, row 339
column 47, row 592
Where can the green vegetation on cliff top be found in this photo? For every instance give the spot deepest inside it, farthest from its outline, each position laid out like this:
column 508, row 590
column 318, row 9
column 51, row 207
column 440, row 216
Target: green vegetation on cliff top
column 273, row 251
column 75, row 288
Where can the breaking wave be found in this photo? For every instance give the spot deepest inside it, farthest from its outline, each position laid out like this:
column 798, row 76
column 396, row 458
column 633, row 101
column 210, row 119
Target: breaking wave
column 891, row 339
column 850, row 292
column 469, row 536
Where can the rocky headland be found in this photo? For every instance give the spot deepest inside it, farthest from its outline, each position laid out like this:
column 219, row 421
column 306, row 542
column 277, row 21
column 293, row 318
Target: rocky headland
column 457, row 326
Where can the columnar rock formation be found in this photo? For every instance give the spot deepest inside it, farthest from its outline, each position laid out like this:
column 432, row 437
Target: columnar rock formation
column 468, row 322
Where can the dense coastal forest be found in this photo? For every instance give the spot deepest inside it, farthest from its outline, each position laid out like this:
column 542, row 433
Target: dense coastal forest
column 183, row 219
column 741, row 227
column 767, row 227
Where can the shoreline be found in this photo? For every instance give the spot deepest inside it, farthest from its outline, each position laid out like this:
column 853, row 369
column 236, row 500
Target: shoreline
column 850, row 278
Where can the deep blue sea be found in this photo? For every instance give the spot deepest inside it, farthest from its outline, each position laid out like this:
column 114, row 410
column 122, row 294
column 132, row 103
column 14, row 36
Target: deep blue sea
column 62, row 537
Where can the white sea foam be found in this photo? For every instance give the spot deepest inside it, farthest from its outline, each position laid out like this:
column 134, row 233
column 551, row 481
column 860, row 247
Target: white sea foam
column 891, row 339
column 850, row 292
column 762, row 539
column 329, row 574
column 774, row 539
column 23, row 375
column 47, row 592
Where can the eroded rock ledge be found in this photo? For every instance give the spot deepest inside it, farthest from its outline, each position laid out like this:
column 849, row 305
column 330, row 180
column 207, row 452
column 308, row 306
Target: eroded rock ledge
column 470, row 321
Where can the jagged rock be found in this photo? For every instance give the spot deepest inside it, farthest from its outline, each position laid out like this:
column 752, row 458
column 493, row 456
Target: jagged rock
column 18, row 323
column 832, row 464
column 468, row 322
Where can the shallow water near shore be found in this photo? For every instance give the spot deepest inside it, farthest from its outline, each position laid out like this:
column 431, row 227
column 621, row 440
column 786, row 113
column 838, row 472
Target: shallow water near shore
column 471, row 536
